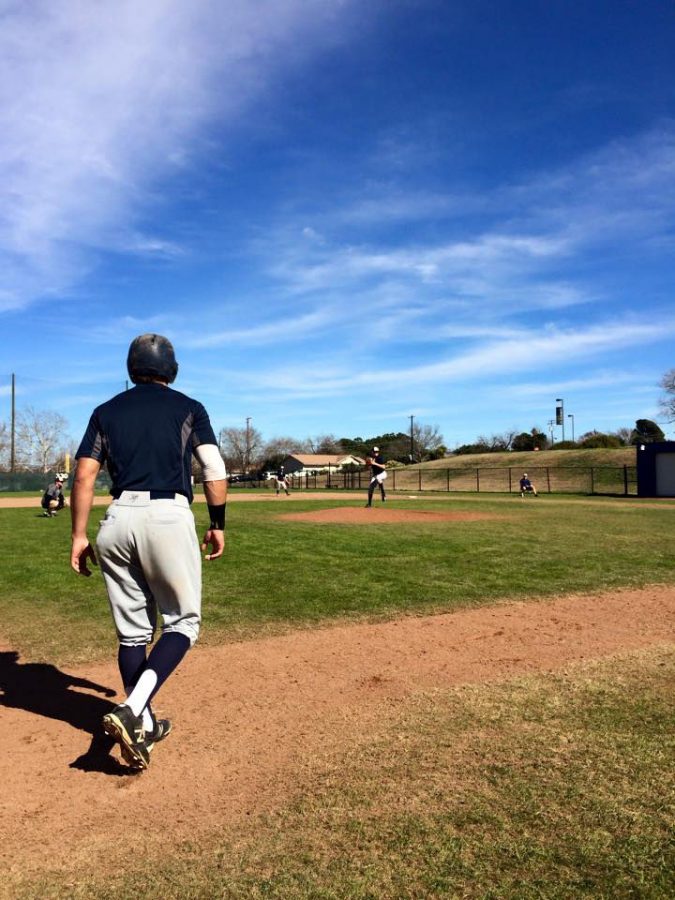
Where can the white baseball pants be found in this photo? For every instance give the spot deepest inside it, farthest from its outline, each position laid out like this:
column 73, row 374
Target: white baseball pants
column 151, row 563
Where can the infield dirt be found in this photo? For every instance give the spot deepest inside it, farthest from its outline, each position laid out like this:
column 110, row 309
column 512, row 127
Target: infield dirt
column 252, row 717
column 381, row 515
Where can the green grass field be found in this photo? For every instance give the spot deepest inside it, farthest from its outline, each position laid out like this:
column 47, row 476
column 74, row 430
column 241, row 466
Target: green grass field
column 279, row 575
column 550, row 786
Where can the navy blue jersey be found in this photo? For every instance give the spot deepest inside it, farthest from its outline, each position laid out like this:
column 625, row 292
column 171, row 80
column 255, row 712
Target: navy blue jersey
column 145, row 437
column 376, row 470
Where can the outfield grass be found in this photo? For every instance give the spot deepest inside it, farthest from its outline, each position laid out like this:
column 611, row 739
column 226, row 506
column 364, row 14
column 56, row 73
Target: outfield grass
column 278, row 575
column 555, row 786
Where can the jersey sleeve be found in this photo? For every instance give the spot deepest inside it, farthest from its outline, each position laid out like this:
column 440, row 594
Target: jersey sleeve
column 202, row 432
column 92, row 444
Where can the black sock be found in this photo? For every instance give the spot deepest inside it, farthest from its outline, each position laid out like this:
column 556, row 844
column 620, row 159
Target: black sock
column 131, row 662
column 166, row 656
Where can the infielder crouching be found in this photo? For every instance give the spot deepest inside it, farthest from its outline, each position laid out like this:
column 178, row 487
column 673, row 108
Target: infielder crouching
column 147, row 545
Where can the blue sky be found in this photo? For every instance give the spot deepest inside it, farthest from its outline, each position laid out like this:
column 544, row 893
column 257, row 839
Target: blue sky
column 342, row 213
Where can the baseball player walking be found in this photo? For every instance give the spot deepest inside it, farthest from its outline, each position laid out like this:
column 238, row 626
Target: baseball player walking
column 378, row 474
column 147, row 545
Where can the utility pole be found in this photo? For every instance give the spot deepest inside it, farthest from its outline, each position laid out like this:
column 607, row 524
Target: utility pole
column 248, row 445
column 12, row 452
column 412, row 441
column 571, row 416
column 551, row 425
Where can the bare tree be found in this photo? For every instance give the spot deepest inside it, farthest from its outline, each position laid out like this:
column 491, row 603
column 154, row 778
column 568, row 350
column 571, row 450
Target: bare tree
column 496, row 442
column 667, row 402
column 240, row 447
column 283, row 446
column 323, row 443
column 426, row 440
column 5, row 442
column 624, row 435
column 41, row 438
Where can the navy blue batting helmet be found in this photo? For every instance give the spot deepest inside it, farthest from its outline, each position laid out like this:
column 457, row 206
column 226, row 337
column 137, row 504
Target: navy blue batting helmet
column 152, row 356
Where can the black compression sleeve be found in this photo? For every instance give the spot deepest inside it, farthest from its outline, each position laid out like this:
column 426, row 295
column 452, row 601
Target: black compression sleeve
column 217, row 515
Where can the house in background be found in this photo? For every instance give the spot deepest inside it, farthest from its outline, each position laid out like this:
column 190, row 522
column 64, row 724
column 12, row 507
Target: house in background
column 314, row 463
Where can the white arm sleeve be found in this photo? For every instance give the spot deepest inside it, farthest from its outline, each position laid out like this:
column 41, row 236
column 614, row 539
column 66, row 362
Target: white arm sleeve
column 209, row 458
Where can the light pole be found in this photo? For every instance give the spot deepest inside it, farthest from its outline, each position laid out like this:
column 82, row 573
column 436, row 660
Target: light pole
column 412, row 442
column 551, row 425
column 571, row 416
column 560, row 414
column 12, row 450
column 248, row 444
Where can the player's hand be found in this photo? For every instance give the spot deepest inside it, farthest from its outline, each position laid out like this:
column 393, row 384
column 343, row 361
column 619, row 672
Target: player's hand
column 215, row 539
column 80, row 553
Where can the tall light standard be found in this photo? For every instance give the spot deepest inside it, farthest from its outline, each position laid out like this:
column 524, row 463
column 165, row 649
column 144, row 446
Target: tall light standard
column 412, row 441
column 560, row 414
column 571, row 416
column 551, row 425
column 248, row 444
column 12, row 450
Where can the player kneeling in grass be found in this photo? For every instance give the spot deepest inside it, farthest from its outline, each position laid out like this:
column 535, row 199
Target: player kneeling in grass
column 147, row 546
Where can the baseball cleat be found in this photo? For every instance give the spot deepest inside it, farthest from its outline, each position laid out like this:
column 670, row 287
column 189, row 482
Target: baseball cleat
column 132, row 759
column 161, row 729
column 127, row 729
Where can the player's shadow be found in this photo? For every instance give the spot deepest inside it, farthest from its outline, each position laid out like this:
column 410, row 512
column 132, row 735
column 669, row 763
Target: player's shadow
column 44, row 690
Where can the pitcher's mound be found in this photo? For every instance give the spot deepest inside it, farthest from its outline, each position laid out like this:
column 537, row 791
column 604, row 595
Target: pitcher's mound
column 379, row 515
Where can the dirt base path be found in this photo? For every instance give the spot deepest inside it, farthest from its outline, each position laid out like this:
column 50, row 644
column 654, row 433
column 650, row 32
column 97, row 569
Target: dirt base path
column 250, row 717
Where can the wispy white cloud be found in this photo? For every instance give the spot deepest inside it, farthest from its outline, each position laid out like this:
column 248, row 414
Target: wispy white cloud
column 623, row 185
column 553, row 346
column 487, row 360
column 602, row 378
column 331, row 266
column 100, row 102
column 282, row 328
column 525, row 248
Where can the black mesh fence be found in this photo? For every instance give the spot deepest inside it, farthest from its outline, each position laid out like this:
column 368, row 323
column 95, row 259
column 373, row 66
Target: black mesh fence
column 609, row 480
column 36, row 482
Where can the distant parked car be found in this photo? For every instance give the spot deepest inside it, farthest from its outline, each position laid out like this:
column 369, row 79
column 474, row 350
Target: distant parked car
column 238, row 479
